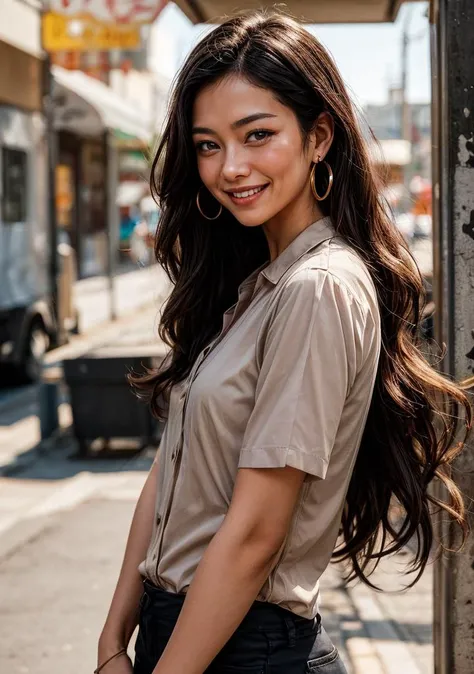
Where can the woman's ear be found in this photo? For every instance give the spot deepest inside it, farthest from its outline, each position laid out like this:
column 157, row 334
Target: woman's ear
column 322, row 136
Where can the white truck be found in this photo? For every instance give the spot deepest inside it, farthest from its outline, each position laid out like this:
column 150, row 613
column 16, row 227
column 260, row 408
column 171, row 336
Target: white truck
column 26, row 320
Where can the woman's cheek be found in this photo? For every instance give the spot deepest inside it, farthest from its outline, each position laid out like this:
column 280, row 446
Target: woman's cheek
column 208, row 169
column 275, row 158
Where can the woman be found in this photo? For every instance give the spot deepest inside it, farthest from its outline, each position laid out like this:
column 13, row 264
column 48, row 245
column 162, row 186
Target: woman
column 303, row 409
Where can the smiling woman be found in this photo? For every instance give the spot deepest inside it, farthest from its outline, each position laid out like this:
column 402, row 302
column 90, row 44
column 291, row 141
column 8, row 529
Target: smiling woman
column 247, row 155
column 298, row 404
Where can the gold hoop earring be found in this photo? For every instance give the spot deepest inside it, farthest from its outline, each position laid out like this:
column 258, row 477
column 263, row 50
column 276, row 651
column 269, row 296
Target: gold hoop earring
column 198, row 204
column 313, row 183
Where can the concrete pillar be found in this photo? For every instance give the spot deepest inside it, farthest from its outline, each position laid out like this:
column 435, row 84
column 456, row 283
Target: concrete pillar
column 452, row 28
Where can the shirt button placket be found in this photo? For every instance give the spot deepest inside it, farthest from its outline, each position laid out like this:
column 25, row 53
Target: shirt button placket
column 155, row 552
column 176, row 451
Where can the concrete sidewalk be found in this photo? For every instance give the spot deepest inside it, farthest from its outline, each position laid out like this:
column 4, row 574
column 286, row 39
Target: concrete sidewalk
column 60, row 559
column 132, row 290
column 386, row 632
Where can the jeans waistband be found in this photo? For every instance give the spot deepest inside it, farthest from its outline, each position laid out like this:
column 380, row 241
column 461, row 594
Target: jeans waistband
column 260, row 614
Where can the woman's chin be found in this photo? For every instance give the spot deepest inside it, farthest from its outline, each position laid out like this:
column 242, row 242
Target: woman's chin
column 252, row 219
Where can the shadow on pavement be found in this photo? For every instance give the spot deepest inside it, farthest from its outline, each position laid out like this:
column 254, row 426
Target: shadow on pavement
column 60, row 459
column 381, row 630
column 17, row 403
column 420, row 633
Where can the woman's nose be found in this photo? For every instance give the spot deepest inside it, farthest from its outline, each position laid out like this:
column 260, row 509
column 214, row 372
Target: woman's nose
column 235, row 166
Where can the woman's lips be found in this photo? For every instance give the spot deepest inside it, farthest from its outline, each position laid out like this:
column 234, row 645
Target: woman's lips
column 250, row 199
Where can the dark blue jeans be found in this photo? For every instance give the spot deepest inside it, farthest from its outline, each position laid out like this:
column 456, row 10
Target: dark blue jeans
column 269, row 640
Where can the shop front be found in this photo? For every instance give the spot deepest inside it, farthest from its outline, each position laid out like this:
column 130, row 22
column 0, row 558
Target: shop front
column 90, row 120
column 133, row 189
column 81, row 200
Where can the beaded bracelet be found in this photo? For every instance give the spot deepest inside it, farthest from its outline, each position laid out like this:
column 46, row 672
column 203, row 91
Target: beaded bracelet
column 100, row 667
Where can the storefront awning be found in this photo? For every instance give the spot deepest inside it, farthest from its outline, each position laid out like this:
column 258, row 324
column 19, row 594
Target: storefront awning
column 87, row 107
column 310, row 11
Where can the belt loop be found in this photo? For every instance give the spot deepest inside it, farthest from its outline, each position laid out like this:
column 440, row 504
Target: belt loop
column 291, row 629
column 145, row 598
column 318, row 623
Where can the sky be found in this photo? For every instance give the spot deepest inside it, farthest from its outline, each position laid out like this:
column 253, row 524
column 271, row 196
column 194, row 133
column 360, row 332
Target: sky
column 368, row 55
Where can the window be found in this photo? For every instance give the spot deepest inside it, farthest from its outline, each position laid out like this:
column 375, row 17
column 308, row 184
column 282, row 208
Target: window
column 14, row 185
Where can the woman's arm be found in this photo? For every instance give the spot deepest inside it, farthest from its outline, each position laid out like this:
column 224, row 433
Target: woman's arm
column 123, row 613
column 234, row 567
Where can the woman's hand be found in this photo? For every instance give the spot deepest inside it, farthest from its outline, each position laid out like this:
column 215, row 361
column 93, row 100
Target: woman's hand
column 123, row 614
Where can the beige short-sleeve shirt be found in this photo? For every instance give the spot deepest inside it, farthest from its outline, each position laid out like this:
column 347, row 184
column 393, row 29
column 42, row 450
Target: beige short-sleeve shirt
column 287, row 382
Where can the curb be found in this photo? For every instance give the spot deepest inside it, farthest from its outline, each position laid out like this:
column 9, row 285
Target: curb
column 42, row 516
column 30, row 524
column 26, row 459
column 98, row 336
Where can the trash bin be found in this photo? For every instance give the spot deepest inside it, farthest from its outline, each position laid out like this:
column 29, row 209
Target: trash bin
column 102, row 402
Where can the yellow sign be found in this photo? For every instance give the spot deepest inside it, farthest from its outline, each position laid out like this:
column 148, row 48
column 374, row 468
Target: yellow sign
column 81, row 33
column 64, row 194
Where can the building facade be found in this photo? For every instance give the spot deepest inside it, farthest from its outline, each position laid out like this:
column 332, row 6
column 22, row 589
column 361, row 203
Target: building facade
column 101, row 130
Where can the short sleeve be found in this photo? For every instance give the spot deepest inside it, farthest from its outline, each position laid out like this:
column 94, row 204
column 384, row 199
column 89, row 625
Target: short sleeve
column 309, row 359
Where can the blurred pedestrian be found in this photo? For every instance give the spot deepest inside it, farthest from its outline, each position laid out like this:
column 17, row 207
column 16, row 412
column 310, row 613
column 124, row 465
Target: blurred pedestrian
column 128, row 221
column 303, row 410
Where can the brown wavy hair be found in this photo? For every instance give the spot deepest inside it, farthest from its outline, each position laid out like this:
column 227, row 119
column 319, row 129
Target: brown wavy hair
column 414, row 418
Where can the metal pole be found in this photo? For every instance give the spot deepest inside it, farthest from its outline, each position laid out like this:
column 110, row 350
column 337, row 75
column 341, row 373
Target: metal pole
column 48, row 103
column 111, row 173
column 405, row 116
column 453, row 145
column 405, row 121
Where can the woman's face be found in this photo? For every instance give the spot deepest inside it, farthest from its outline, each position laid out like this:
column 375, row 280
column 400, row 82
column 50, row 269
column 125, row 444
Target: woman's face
column 250, row 152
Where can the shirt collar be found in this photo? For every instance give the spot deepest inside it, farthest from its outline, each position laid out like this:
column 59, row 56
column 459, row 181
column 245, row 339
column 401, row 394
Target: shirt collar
column 307, row 240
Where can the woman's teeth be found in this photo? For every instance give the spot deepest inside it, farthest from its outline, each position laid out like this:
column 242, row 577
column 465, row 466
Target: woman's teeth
column 248, row 193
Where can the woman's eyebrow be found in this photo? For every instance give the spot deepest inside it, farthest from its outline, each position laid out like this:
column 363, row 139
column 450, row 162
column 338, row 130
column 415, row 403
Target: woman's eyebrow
column 238, row 124
column 251, row 118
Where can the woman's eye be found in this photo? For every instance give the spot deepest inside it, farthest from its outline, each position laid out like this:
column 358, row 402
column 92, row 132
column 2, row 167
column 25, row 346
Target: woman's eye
column 260, row 135
column 206, row 146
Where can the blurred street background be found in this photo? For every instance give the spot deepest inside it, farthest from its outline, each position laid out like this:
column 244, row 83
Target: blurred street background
column 83, row 95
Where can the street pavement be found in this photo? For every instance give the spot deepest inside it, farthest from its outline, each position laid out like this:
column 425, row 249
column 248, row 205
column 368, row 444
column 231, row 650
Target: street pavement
column 63, row 525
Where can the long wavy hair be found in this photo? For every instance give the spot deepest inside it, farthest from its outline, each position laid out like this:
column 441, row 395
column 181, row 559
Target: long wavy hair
column 416, row 413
